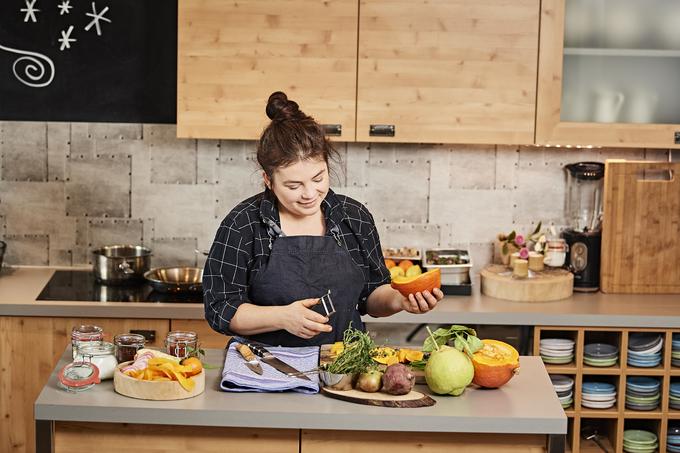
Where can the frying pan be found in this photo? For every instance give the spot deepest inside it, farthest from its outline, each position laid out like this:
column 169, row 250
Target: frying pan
column 175, row 279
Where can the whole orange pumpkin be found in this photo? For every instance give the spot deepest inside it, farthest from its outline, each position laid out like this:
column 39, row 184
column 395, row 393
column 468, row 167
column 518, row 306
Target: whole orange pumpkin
column 418, row 283
column 495, row 364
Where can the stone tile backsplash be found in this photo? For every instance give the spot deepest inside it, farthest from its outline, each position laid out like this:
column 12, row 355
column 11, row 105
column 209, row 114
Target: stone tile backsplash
column 69, row 188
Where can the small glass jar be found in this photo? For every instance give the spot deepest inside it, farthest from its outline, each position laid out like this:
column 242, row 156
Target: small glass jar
column 100, row 355
column 126, row 346
column 181, row 344
column 85, row 335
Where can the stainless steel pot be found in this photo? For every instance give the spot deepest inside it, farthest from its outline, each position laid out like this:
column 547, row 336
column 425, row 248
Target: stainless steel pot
column 116, row 264
column 175, row 279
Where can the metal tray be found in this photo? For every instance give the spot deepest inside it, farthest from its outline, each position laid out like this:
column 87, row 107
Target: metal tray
column 452, row 274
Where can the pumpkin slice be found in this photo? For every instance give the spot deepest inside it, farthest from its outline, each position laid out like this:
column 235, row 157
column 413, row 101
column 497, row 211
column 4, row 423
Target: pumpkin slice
column 495, row 364
column 418, row 283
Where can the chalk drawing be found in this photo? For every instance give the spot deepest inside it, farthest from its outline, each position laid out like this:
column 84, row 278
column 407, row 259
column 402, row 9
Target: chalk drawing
column 31, row 67
column 30, row 11
column 66, row 39
column 96, row 18
column 64, row 7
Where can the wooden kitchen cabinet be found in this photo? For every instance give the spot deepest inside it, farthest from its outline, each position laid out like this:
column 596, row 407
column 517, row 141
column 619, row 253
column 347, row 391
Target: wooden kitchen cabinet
column 449, row 71
column 233, row 55
column 29, row 349
column 608, row 74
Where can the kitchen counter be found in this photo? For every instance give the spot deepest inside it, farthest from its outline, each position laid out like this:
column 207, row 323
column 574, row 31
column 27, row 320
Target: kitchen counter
column 527, row 404
column 20, row 286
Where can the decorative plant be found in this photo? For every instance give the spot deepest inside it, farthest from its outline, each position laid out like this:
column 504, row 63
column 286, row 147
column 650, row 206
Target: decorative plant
column 524, row 244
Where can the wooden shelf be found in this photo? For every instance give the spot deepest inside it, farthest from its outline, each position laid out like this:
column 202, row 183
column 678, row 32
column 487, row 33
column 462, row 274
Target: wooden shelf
column 608, row 370
column 569, row 368
column 602, row 52
column 612, row 412
column 635, row 371
column 591, row 446
column 618, row 417
column 655, row 414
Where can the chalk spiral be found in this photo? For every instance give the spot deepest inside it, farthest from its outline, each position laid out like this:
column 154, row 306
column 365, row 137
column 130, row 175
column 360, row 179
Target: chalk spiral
column 32, row 68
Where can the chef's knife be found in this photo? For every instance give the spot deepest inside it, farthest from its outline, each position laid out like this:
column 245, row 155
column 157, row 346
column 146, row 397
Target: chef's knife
column 251, row 360
column 269, row 358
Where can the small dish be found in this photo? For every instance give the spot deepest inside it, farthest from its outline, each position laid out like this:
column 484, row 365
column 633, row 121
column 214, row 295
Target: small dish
column 639, row 341
column 337, row 381
column 598, row 387
column 639, row 437
column 600, row 350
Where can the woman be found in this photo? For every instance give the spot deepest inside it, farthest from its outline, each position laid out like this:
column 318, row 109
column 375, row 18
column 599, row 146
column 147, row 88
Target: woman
column 278, row 252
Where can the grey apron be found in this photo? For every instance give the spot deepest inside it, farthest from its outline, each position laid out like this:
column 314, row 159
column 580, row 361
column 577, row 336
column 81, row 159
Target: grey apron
column 304, row 267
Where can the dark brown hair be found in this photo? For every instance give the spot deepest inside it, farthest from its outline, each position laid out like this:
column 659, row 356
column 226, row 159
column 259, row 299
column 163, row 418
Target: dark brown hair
column 291, row 136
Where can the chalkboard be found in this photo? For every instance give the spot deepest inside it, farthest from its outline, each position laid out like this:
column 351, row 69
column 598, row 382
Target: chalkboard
column 88, row 60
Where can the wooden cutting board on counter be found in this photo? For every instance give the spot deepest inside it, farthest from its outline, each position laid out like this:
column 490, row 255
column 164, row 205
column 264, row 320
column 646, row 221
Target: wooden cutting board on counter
column 641, row 228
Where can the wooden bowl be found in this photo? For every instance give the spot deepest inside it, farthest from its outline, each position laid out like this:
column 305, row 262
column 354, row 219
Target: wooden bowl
column 155, row 390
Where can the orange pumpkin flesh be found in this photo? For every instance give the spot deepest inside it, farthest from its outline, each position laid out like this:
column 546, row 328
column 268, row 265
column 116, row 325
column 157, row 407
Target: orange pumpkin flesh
column 418, row 283
column 495, row 364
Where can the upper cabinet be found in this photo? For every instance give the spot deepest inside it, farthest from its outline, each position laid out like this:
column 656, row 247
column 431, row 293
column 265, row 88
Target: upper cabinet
column 233, row 54
column 438, row 71
column 449, row 71
column 609, row 72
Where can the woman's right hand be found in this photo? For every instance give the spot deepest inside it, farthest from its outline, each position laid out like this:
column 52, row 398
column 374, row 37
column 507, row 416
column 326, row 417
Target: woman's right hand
column 302, row 322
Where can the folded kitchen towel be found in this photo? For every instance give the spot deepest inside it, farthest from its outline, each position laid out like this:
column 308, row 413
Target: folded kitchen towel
column 237, row 377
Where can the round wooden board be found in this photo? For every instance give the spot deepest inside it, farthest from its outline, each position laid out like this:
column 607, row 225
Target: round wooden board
column 155, row 390
column 544, row 286
column 411, row 399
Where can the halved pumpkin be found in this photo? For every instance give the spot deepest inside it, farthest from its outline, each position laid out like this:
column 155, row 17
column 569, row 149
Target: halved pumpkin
column 418, row 283
column 495, row 364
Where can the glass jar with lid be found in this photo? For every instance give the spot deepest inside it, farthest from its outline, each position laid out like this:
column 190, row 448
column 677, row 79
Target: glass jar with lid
column 85, row 335
column 100, row 355
column 181, row 344
column 126, row 346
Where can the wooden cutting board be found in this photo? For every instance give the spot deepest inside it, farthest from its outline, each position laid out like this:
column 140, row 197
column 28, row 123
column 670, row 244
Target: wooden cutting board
column 410, row 400
column 548, row 285
column 641, row 228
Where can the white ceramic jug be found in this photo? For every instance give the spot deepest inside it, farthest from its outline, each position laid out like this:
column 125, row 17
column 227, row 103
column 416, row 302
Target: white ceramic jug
column 607, row 105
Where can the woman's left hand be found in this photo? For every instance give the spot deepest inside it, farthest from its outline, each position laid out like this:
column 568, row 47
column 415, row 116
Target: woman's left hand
column 422, row 302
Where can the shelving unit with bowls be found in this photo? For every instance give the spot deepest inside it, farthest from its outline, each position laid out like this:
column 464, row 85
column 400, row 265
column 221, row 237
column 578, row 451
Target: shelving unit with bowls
column 643, row 368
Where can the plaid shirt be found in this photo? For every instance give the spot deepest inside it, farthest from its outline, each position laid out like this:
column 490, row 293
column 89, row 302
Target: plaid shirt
column 243, row 243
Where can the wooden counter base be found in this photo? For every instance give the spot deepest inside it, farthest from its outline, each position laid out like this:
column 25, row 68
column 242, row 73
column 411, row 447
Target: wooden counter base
column 108, row 438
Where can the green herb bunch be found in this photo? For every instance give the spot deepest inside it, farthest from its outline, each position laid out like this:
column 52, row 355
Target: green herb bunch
column 356, row 356
column 460, row 337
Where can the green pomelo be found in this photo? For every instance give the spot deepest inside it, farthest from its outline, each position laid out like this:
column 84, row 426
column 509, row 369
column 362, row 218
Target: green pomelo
column 448, row 371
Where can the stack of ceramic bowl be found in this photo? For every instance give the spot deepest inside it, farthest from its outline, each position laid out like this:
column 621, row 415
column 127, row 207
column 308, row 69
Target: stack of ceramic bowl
column 600, row 354
column 556, row 351
column 598, row 395
column 642, row 393
column 673, row 437
column 674, row 402
column 645, row 349
column 675, row 353
column 564, row 387
column 639, row 441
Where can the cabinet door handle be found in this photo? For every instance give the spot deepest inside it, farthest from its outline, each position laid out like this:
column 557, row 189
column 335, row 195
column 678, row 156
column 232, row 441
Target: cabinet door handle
column 150, row 335
column 381, row 130
column 334, row 130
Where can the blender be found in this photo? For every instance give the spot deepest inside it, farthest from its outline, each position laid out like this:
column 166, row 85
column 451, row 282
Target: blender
column 584, row 214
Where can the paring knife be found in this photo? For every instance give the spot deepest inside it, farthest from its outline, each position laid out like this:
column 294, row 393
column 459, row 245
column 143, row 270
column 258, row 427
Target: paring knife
column 251, row 360
column 269, row 358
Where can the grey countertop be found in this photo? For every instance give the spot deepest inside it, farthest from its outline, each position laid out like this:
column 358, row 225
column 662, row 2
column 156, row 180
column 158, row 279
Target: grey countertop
column 19, row 288
column 527, row 404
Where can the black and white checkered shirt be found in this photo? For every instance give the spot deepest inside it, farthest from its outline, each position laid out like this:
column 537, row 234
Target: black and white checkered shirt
column 243, row 243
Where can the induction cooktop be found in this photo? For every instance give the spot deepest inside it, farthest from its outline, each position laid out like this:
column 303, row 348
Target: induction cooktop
column 82, row 286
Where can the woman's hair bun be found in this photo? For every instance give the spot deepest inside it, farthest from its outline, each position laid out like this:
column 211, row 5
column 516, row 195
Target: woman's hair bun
column 279, row 108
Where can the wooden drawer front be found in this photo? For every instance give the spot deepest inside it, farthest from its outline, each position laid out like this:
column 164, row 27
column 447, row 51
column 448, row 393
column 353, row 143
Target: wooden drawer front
column 451, row 71
column 233, row 55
